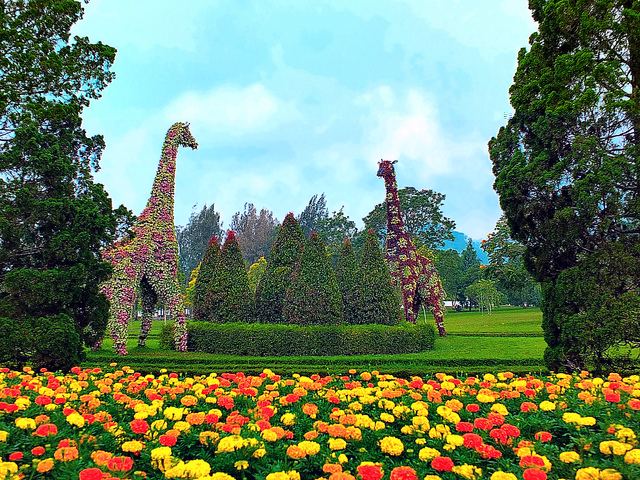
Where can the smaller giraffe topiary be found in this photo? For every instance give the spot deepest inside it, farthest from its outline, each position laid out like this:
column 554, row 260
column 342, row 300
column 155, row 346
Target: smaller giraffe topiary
column 416, row 275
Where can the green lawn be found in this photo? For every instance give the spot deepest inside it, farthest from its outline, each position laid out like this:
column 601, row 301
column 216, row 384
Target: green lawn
column 509, row 339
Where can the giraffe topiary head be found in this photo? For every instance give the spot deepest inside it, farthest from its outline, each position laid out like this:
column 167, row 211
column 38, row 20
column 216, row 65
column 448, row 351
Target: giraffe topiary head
column 181, row 135
column 385, row 168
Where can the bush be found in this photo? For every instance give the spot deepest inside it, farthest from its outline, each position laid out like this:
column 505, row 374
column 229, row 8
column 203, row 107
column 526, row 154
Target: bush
column 313, row 297
column 276, row 280
column 233, row 293
column 348, row 278
column 202, row 301
column 256, row 339
column 46, row 342
column 380, row 300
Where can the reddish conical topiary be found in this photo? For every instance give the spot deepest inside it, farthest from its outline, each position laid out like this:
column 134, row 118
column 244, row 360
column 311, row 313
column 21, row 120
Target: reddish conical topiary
column 313, row 297
column 277, row 278
column 203, row 309
column 381, row 303
column 348, row 279
column 233, row 293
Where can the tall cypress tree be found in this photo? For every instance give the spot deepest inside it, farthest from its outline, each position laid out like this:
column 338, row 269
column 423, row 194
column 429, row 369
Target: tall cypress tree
column 381, row 303
column 277, row 278
column 313, row 297
column 348, row 278
column 233, row 295
column 202, row 307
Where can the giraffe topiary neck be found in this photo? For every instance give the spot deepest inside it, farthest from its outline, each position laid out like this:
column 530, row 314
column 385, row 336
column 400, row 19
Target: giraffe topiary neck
column 395, row 224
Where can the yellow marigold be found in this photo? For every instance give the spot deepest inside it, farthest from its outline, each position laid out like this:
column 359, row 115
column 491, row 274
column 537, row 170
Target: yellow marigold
column 569, row 457
column 294, row 451
column 133, row 446
column 455, row 440
column 174, row 413
column 632, row 456
column 467, row 471
column 230, row 444
column 310, row 448
column 269, row 435
column 391, row 446
column 196, row 469
column 160, row 452
column 378, row 426
column 547, row 406
column 220, row 476
column 8, row 470
column 570, row 417
column 586, row 421
column 438, row 477
column 614, row 447
column 189, row 400
column 626, row 435
column 503, row 476
column 407, row 430
column 427, row 453
column 278, row 476
column 337, row 443
column 589, row 473
column 208, row 437
column 485, row 398
column 76, row 419
column 439, row 431
column 387, row 417
column 500, row 408
column 288, row 419
column 176, row 471
column 25, row 423
column 181, row 426
column 259, row 453
column 241, row 465
column 3, row 436
column 610, row 474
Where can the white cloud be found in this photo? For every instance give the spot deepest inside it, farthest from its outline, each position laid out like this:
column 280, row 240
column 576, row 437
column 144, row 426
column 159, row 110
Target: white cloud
column 231, row 109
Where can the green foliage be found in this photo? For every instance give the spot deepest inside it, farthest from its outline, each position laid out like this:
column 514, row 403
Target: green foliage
column 255, row 232
column 422, row 216
column 255, row 273
column 52, row 343
column 313, row 213
column 54, row 219
column 313, row 297
column 277, row 278
column 381, row 303
column 194, row 237
column 334, row 230
column 485, row 294
column 203, row 305
column 566, row 164
column 233, row 295
column 279, row 340
column 447, row 264
column 348, row 279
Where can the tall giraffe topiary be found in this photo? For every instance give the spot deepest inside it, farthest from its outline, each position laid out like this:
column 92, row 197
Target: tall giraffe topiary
column 415, row 274
column 149, row 261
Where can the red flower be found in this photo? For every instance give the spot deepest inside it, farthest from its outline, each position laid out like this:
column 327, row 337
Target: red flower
column 370, row 472
column 37, row 451
column 472, row 407
column 534, row 474
column 543, row 436
column 403, row 473
column 167, row 440
column 483, row 423
column 139, row 426
column 43, row 400
column 532, row 461
column 91, row 474
column 496, row 418
column 471, row 440
column 464, row 427
column 528, row 407
column 612, row 397
column 46, row 429
column 442, row 464
column 511, row 430
column 15, row 456
column 120, row 464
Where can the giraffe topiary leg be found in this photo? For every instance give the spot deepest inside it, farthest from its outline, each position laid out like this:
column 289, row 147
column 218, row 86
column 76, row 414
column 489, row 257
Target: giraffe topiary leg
column 432, row 297
column 169, row 293
column 148, row 299
column 121, row 294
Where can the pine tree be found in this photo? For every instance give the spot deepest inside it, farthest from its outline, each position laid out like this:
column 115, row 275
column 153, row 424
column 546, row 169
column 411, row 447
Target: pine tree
column 277, row 278
column 233, row 295
column 348, row 278
column 313, row 297
column 381, row 303
column 202, row 307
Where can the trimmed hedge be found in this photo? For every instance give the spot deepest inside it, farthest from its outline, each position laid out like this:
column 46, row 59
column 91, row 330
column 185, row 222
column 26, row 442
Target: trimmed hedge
column 285, row 340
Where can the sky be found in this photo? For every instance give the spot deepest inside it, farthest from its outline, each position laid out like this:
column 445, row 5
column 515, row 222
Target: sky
column 291, row 98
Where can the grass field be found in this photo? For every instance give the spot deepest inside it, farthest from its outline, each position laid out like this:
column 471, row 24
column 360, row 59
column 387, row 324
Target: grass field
column 509, row 339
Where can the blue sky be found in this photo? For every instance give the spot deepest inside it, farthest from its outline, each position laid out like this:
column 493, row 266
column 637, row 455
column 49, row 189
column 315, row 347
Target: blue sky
column 292, row 98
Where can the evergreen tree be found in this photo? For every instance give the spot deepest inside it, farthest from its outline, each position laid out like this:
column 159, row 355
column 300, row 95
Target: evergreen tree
column 194, row 237
column 313, row 213
column 203, row 308
column 348, row 278
column 233, row 293
column 313, row 297
column 277, row 277
column 54, row 219
column 381, row 303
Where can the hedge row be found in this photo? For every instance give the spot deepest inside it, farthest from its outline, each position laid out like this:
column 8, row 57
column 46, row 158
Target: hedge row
column 257, row 339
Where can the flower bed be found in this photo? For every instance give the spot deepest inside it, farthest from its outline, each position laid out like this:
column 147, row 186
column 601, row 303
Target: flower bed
column 96, row 424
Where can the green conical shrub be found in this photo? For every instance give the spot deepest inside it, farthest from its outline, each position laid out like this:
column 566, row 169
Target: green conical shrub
column 381, row 303
column 232, row 293
column 348, row 278
column 313, row 297
column 203, row 309
column 277, row 278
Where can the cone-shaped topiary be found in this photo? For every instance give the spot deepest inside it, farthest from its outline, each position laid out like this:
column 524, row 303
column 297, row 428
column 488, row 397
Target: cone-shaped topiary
column 348, row 278
column 203, row 309
column 233, row 293
column 381, row 303
column 313, row 297
column 277, row 278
